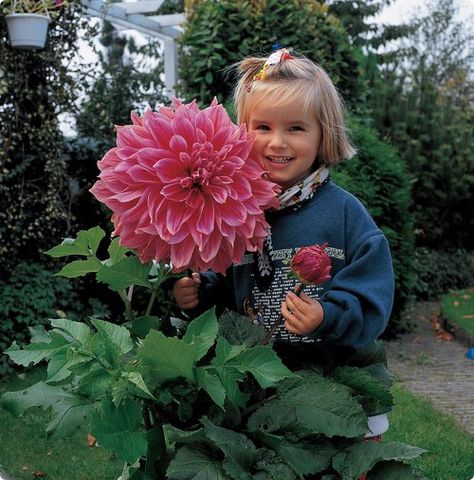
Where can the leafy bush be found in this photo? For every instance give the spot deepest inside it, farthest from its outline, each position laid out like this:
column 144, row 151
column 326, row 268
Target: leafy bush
column 220, row 33
column 377, row 176
column 439, row 271
column 35, row 87
column 31, row 296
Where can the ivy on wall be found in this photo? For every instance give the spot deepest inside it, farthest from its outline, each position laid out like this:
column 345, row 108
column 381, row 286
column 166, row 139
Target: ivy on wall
column 35, row 87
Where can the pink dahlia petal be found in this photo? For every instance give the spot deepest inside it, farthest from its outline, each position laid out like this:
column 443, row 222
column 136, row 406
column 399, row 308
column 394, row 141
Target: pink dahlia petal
column 184, row 188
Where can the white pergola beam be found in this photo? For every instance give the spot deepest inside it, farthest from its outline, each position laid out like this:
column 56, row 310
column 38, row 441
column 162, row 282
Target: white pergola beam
column 129, row 15
column 141, row 6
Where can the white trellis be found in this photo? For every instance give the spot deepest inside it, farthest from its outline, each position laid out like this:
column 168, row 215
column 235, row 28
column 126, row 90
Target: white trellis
column 131, row 15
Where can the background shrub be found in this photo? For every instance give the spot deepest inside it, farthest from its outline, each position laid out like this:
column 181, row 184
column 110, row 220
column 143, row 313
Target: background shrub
column 28, row 298
column 377, row 176
column 219, row 33
column 439, row 271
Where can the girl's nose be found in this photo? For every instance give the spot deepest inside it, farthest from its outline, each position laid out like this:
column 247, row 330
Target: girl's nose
column 277, row 140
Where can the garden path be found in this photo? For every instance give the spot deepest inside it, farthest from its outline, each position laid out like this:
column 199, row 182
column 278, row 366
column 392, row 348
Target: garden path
column 434, row 368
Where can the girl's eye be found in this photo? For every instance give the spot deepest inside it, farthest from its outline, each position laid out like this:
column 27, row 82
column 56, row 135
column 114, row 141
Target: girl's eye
column 296, row 128
column 262, row 127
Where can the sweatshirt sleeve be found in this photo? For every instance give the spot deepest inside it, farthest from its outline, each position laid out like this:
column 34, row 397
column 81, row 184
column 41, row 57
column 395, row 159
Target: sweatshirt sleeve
column 215, row 290
column 358, row 303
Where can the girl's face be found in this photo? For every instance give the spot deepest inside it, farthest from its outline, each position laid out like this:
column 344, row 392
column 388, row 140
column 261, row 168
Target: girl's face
column 287, row 140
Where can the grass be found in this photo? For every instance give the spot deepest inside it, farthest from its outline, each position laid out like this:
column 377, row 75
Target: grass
column 458, row 308
column 24, row 448
column 450, row 449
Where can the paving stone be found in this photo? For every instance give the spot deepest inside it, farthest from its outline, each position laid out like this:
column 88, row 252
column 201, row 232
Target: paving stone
column 435, row 369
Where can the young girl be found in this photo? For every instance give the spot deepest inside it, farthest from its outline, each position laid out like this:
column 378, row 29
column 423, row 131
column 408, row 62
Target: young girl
column 297, row 115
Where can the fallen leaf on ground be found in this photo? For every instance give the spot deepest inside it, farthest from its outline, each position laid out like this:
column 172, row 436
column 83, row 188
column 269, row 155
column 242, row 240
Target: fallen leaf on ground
column 466, row 296
column 468, row 316
column 39, row 474
column 456, row 303
column 24, row 468
column 443, row 335
column 91, row 441
column 436, row 323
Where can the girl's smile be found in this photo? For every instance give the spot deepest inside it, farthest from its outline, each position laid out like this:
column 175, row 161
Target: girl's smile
column 287, row 141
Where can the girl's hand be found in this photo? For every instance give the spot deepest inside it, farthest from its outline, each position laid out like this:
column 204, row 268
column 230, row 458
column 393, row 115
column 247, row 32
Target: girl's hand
column 185, row 291
column 302, row 314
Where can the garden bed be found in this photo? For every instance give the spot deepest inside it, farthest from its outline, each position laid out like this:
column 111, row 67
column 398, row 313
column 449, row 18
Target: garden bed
column 457, row 311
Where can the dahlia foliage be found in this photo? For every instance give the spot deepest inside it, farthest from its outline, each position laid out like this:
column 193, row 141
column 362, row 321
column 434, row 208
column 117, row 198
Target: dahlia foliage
column 184, row 188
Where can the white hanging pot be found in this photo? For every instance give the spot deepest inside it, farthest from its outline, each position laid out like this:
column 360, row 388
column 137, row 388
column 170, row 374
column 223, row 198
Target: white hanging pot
column 27, row 30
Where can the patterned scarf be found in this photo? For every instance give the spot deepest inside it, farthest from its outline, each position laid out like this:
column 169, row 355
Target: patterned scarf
column 294, row 197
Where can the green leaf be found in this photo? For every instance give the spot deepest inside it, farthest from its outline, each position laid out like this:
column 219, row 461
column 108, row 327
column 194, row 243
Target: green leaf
column 194, row 465
column 263, row 363
column 94, row 237
column 202, row 331
column 119, row 429
column 239, row 330
column 361, row 457
column 126, row 272
column 394, row 471
column 115, row 334
column 141, row 326
column 137, row 384
column 362, row 382
column 212, row 385
column 96, row 383
column 38, row 334
column 69, row 246
column 57, row 366
column 116, row 252
column 77, row 330
column 311, row 405
column 35, row 352
column 225, row 351
column 166, row 358
column 230, row 378
column 79, row 268
column 68, row 411
column 175, row 435
column 302, row 457
column 240, row 452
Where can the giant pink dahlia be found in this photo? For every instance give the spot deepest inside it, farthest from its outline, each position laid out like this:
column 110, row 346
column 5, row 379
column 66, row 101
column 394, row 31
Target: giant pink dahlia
column 183, row 187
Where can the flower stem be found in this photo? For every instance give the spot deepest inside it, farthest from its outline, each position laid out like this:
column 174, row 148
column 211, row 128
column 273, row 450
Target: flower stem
column 150, row 303
column 128, row 305
column 297, row 290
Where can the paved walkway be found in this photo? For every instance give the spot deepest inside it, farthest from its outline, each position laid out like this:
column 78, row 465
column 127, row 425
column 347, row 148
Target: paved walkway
column 434, row 368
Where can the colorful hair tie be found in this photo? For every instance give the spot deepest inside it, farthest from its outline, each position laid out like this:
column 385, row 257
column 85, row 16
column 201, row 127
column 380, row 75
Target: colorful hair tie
column 275, row 58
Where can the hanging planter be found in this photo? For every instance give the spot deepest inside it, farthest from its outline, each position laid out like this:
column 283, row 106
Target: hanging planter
column 28, row 21
column 27, row 30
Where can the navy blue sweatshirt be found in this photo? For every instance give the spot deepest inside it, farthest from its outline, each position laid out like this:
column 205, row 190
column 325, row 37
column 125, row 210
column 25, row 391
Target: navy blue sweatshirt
column 357, row 300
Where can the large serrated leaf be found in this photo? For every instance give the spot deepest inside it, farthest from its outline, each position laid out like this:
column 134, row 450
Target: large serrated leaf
column 166, row 358
column 230, row 378
column 193, row 464
column 239, row 330
column 240, row 452
column 394, row 471
column 68, row 411
column 115, row 334
column 57, row 366
column 211, row 383
column 126, row 272
column 202, row 332
column 302, row 457
column 35, row 352
column 69, row 246
column 116, row 252
column 361, row 457
column 94, row 237
column 225, row 351
column 364, row 383
column 79, row 268
column 311, row 405
column 119, row 428
column 263, row 363
column 77, row 330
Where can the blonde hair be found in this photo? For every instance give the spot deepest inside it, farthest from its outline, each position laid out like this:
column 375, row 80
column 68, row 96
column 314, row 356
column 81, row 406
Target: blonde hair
column 297, row 77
